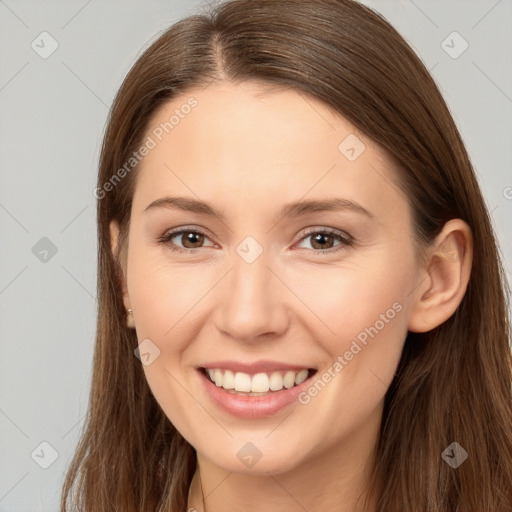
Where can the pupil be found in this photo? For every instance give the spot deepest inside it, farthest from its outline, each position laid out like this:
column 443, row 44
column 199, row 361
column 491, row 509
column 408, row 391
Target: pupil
column 322, row 239
column 191, row 236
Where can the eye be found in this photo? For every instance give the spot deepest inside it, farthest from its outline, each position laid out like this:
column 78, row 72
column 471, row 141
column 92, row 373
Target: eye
column 323, row 240
column 189, row 238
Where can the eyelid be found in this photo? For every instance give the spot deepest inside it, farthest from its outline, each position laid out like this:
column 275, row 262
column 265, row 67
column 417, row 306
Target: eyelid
column 191, row 228
column 322, row 229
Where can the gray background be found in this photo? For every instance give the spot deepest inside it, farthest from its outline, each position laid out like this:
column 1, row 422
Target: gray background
column 52, row 116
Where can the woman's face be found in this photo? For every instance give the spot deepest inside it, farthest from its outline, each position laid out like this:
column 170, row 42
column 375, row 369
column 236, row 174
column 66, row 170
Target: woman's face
column 295, row 260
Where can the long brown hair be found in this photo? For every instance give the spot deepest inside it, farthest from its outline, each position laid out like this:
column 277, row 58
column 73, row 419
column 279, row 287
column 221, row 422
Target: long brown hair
column 453, row 383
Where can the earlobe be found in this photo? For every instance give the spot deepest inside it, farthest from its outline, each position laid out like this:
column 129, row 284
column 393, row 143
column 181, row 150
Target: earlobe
column 444, row 281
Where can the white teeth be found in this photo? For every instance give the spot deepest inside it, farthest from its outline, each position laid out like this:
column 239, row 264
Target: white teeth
column 218, row 377
column 301, row 377
column 229, row 380
column 258, row 383
column 289, row 379
column 242, row 381
column 276, row 381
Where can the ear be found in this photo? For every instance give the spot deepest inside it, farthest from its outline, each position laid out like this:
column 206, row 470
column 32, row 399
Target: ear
column 444, row 280
column 115, row 247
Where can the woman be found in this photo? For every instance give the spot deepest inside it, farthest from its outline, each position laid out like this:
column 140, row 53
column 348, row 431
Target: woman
column 301, row 303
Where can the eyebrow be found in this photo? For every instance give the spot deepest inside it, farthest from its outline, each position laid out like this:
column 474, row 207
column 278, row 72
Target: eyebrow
column 295, row 209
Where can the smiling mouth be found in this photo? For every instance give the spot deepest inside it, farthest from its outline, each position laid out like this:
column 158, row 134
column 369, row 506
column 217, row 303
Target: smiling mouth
column 263, row 383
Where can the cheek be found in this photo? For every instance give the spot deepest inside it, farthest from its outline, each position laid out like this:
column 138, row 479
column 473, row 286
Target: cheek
column 368, row 313
column 164, row 296
column 353, row 296
column 166, row 301
column 361, row 318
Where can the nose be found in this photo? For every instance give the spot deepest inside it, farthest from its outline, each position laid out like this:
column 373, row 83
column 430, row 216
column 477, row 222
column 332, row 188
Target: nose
column 252, row 302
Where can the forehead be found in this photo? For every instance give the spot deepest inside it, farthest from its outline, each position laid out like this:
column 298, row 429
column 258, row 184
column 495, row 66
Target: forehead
column 251, row 145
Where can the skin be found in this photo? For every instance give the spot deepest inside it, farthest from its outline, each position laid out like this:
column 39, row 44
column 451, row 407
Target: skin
column 249, row 150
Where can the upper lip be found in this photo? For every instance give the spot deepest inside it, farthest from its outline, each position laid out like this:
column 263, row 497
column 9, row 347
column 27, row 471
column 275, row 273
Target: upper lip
column 253, row 367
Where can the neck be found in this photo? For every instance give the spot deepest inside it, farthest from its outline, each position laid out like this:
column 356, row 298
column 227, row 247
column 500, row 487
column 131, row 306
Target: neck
column 335, row 479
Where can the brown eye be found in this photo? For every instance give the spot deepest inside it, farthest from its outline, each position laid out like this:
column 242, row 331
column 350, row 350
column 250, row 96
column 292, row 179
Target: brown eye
column 191, row 239
column 322, row 241
column 184, row 240
column 325, row 241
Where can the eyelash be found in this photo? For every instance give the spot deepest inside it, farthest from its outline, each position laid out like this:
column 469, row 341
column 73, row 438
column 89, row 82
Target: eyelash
column 344, row 239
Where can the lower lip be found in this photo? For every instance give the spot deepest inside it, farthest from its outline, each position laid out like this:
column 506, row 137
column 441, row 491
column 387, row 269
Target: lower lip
column 251, row 407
